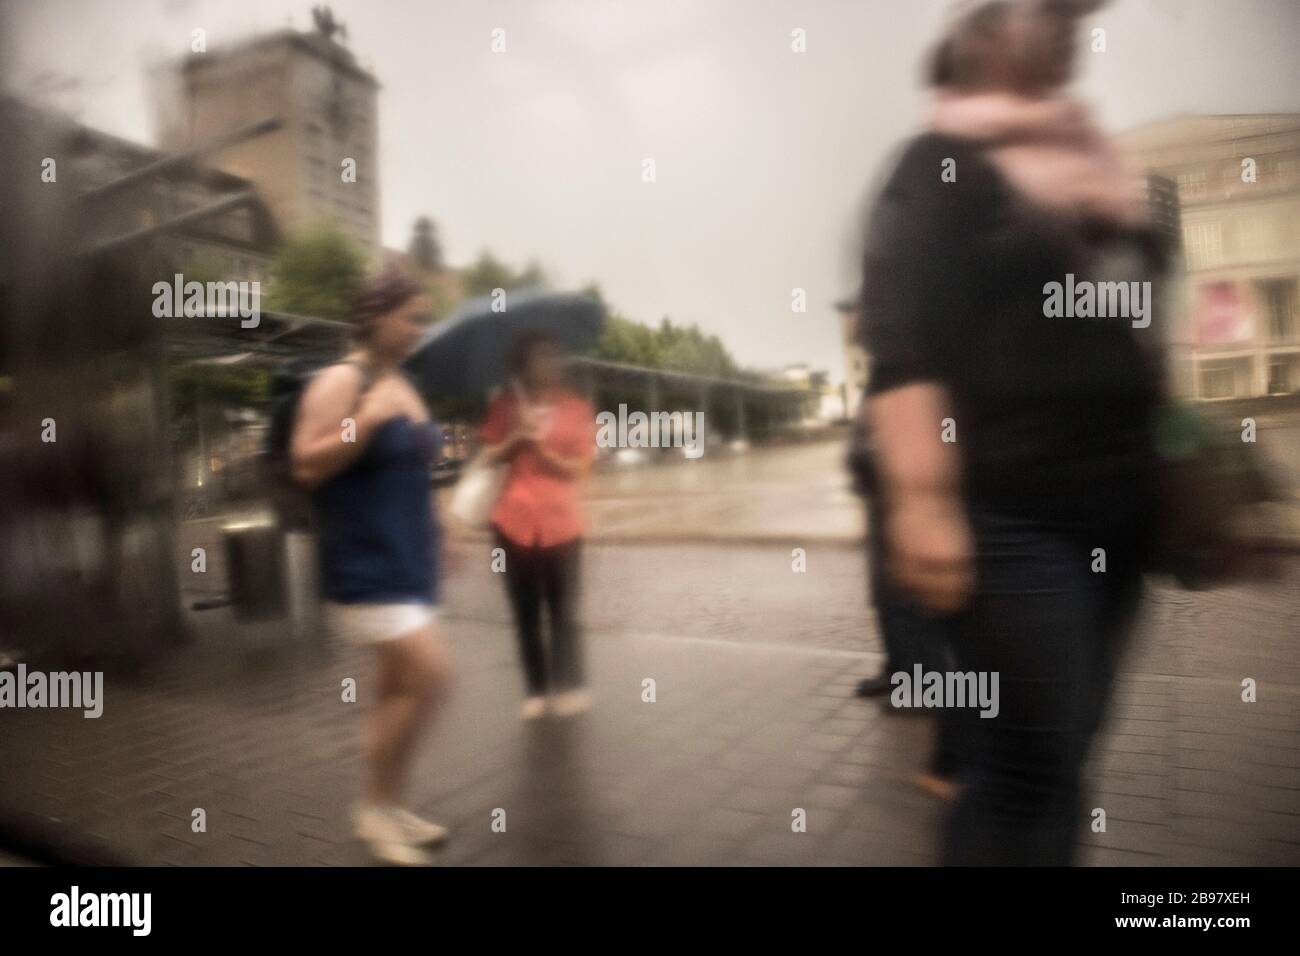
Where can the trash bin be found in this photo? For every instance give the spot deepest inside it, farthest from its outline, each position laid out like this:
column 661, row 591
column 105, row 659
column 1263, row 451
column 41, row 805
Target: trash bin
column 272, row 574
column 255, row 569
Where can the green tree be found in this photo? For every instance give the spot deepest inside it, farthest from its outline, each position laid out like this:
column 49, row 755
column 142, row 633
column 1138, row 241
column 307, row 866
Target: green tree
column 203, row 390
column 424, row 247
column 441, row 303
column 631, row 343
column 675, row 348
column 317, row 273
column 686, row 349
column 196, row 383
column 490, row 273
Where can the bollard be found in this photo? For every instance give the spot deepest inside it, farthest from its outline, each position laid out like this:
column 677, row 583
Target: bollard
column 303, row 584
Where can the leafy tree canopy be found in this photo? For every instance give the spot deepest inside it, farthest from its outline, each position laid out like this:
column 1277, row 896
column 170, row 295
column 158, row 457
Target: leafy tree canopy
column 317, row 273
column 668, row 346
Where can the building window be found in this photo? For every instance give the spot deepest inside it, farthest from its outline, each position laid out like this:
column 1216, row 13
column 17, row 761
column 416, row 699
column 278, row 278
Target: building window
column 1279, row 378
column 1218, row 382
column 1192, row 183
column 1204, row 244
column 1278, row 299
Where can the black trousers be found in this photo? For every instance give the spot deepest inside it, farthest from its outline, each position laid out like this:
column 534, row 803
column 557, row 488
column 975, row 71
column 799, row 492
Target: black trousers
column 537, row 577
column 1053, row 630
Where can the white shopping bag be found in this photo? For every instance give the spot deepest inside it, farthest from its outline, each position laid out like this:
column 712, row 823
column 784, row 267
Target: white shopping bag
column 476, row 492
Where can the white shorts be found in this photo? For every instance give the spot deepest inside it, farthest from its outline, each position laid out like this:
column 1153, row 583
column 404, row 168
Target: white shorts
column 375, row 623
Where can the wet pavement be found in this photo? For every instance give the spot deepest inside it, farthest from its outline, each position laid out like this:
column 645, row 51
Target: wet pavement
column 753, row 724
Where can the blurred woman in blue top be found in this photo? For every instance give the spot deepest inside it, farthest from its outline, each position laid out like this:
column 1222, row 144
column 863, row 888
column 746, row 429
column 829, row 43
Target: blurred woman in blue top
column 362, row 443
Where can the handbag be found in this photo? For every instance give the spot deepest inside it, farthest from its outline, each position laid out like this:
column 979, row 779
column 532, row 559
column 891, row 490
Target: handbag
column 1210, row 486
column 480, row 486
column 477, row 492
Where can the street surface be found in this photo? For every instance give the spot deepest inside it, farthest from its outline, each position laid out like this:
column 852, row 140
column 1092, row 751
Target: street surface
column 754, row 715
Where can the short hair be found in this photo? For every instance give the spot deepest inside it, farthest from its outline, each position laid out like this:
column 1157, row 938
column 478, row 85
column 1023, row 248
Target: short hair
column 972, row 49
column 389, row 290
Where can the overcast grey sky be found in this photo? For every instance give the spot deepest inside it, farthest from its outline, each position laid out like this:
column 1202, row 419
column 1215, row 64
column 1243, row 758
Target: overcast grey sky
column 763, row 155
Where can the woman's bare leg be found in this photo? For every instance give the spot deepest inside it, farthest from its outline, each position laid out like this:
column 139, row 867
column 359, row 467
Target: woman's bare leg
column 414, row 673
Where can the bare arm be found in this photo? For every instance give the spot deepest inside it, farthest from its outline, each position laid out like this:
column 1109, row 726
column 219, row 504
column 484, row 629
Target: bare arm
column 931, row 552
column 319, row 450
column 505, row 450
column 912, row 458
column 512, row 428
column 570, row 468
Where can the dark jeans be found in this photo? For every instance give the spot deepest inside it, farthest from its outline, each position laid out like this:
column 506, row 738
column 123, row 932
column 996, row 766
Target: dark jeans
column 537, row 576
column 1053, row 630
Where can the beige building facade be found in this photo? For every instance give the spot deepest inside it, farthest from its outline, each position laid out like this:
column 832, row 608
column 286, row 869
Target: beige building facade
column 1236, row 329
column 321, row 166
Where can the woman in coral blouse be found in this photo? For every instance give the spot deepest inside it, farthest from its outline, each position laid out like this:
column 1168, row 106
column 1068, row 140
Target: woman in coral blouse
column 546, row 433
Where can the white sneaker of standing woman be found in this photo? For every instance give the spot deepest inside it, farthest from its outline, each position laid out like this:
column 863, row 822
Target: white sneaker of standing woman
column 532, row 708
column 421, row 831
column 396, row 836
column 570, row 703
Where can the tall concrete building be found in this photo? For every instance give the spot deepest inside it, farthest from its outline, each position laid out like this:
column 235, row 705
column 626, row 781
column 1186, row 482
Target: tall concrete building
column 1237, row 330
column 327, row 105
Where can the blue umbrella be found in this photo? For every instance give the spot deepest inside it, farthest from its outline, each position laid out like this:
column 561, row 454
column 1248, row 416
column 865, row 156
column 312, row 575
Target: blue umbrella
column 465, row 355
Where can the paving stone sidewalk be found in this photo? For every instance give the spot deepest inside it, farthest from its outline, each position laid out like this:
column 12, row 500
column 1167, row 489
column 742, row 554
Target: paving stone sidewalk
column 754, row 718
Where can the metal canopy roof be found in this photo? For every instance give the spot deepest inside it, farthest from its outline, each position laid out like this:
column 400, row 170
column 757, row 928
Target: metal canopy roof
column 709, row 381
column 278, row 335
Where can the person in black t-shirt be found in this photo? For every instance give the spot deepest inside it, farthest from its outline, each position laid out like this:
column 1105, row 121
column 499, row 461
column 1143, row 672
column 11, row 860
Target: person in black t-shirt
column 1012, row 444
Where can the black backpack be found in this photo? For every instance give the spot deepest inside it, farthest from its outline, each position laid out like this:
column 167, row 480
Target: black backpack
column 291, row 501
column 288, row 382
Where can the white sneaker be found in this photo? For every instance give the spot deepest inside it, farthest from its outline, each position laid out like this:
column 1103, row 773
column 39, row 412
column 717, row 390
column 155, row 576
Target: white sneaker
column 388, row 837
column 532, row 708
column 571, row 703
column 421, row 831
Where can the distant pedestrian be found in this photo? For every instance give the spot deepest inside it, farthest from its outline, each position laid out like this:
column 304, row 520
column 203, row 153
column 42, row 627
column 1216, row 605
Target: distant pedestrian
column 546, row 434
